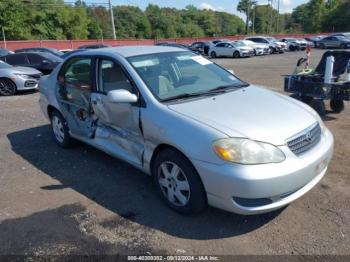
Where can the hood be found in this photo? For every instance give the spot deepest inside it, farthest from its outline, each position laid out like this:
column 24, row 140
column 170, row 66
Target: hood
column 245, row 48
column 262, row 46
column 252, row 112
column 25, row 70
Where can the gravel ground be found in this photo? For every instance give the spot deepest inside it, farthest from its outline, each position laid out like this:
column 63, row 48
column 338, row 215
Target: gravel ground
column 82, row 201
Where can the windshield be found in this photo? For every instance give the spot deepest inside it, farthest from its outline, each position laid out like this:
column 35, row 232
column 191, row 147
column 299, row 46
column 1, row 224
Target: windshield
column 56, row 52
column 51, row 57
column 170, row 75
column 4, row 65
column 248, row 42
column 239, row 43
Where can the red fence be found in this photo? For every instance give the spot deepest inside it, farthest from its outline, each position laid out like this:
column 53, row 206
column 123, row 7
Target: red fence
column 73, row 44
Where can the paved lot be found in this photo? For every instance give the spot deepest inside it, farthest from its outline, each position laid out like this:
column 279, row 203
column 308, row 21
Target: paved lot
column 82, row 201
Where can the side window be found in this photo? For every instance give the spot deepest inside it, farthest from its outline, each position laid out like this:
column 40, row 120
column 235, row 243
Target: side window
column 77, row 74
column 112, row 77
column 35, row 59
column 220, row 45
column 19, row 59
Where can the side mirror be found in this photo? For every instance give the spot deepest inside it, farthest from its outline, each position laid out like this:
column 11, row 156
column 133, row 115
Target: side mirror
column 121, row 96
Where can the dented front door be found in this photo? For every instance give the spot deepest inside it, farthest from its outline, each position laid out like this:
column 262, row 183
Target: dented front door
column 118, row 124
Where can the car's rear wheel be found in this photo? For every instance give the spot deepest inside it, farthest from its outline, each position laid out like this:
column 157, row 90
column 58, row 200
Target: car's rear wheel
column 337, row 106
column 322, row 46
column 60, row 130
column 7, row 87
column 213, row 54
column 236, row 54
column 178, row 182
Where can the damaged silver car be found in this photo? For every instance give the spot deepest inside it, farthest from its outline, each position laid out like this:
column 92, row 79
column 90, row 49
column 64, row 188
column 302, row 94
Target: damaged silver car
column 206, row 136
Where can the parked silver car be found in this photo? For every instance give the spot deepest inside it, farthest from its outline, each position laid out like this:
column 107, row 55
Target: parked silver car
column 259, row 49
column 231, row 49
column 205, row 136
column 334, row 42
column 13, row 79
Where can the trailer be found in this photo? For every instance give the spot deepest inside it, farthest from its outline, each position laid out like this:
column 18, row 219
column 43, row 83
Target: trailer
column 324, row 83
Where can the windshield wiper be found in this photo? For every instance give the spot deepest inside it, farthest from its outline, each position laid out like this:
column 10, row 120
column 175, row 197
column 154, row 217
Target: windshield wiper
column 220, row 89
column 182, row 96
column 227, row 87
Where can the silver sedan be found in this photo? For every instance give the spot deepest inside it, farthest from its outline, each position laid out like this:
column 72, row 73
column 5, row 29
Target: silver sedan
column 204, row 135
column 13, row 79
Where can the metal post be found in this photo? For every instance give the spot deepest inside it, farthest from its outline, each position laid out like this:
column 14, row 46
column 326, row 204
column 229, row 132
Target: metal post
column 112, row 19
column 278, row 16
column 3, row 36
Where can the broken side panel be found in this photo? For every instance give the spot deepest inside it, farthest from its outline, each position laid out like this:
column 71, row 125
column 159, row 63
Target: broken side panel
column 118, row 128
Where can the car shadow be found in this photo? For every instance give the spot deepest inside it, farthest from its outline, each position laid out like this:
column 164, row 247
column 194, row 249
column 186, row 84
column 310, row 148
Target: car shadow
column 123, row 189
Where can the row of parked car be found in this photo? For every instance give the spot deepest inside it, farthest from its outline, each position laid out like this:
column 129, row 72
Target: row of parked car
column 21, row 69
column 263, row 45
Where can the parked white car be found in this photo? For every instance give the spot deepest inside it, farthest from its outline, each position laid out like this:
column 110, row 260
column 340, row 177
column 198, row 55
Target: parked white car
column 13, row 79
column 231, row 49
column 259, row 49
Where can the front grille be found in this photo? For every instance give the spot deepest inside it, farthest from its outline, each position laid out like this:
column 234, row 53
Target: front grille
column 305, row 140
column 36, row 76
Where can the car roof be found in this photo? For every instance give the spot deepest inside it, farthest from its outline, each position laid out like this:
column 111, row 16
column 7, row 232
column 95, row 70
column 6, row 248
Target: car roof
column 129, row 51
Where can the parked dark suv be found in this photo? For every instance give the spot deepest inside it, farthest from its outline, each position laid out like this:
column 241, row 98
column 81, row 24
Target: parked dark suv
column 52, row 51
column 43, row 62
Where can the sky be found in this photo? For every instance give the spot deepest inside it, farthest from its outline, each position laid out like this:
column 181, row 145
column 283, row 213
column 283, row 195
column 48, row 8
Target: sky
column 219, row 5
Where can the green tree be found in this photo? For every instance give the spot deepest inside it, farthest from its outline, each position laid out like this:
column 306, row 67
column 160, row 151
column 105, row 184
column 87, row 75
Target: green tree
column 245, row 6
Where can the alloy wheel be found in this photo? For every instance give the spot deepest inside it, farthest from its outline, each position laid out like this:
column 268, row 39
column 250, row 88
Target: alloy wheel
column 7, row 87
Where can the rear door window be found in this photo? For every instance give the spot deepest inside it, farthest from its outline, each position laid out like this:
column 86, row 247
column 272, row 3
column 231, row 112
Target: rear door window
column 35, row 59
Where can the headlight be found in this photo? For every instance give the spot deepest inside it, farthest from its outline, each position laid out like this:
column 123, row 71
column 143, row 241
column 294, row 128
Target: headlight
column 23, row 76
column 246, row 151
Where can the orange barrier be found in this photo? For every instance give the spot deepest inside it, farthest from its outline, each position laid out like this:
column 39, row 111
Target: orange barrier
column 73, row 44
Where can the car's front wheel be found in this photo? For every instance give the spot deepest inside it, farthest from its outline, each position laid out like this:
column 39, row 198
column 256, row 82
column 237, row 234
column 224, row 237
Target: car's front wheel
column 213, row 54
column 60, row 130
column 178, row 182
column 236, row 54
column 7, row 87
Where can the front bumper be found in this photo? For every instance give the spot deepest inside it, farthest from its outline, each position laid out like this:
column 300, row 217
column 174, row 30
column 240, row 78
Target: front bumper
column 25, row 83
column 229, row 186
column 247, row 53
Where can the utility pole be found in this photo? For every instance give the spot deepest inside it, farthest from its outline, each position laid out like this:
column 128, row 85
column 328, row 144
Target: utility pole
column 3, row 36
column 247, row 21
column 112, row 19
column 254, row 19
column 278, row 17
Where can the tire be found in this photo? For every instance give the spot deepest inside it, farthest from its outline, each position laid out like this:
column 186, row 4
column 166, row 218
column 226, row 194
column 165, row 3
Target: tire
column 271, row 50
column 322, row 46
column 337, row 106
column 172, row 169
column 60, row 130
column 292, row 48
column 319, row 106
column 213, row 54
column 296, row 96
column 7, row 87
column 236, row 54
